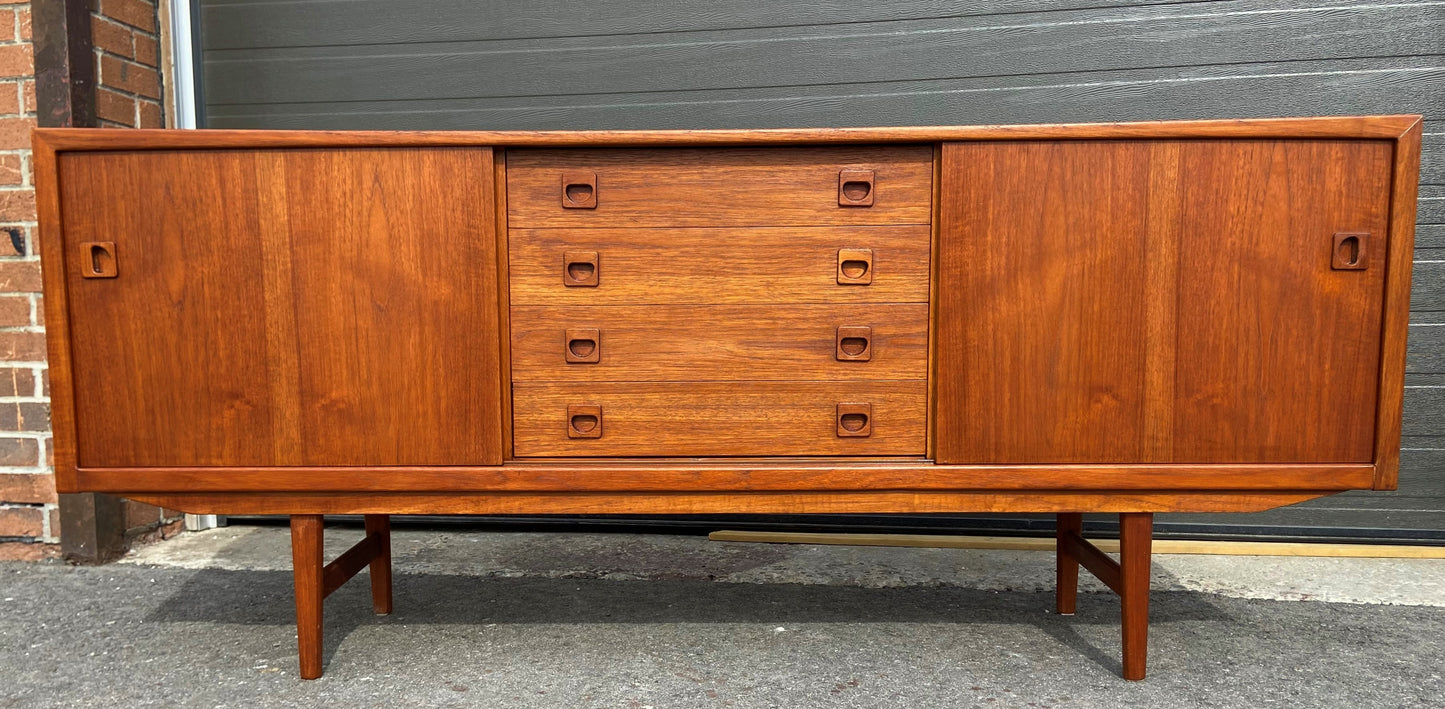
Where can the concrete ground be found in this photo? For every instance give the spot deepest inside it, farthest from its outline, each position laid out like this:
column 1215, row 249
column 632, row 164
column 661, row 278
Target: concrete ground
column 595, row 620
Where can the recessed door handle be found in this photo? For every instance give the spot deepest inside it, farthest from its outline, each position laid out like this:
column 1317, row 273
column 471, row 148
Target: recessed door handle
column 583, row 345
column 579, row 190
column 855, row 267
column 98, row 259
column 584, row 420
column 855, row 420
column 855, row 188
column 581, row 269
column 854, row 343
column 1351, row 251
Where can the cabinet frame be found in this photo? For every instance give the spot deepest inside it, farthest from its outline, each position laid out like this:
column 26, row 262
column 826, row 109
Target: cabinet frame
column 754, row 485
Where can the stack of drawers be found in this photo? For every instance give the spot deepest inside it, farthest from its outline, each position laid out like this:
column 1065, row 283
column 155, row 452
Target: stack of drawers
column 719, row 302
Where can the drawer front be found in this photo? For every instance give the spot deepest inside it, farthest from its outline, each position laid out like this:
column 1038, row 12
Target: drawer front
column 719, row 342
column 736, row 265
column 719, row 186
column 719, row 418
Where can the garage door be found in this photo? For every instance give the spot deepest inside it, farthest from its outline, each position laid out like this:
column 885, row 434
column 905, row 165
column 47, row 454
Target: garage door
column 563, row 64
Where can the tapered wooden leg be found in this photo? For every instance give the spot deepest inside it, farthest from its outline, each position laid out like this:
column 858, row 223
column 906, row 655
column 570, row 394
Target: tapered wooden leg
column 379, row 527
column 307, row 565
column 1068, row 565
column 1136, row 533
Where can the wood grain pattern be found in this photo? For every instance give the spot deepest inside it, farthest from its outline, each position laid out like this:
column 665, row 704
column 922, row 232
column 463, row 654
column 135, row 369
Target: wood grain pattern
column 738, row 474
column 1278, row 355
column 1205, row 266
column 719, row 265
column 1136, row 530
column 719, row 342
column 1386, row 127
column 1042, row 323
column 395, row 281
column 149, row 386
column 708, row 187
column 719, row 418
column 316, row 273
column 307, row 564
column 1398, row 263
column 889, row 502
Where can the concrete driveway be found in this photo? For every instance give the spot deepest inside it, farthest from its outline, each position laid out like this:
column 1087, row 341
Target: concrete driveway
column 628, row 621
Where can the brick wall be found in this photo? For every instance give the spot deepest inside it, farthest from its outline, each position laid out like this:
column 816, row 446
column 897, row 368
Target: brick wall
column 126, row 40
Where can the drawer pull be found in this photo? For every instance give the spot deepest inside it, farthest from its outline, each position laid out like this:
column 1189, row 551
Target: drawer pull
column 1350, row 253
column 580, row 269
column 584, row 420
column 855, row 420
column 855, row 343
column 99, row 259
column 855, row 188
column 583, row 345
column 855, row 267
column 579, row 190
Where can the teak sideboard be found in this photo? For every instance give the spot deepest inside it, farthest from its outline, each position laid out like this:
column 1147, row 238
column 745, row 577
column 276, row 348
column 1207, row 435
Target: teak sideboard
column 1186, row 316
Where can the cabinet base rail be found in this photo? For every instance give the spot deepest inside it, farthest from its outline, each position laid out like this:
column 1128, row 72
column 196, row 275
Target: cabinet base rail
column 1128, row 577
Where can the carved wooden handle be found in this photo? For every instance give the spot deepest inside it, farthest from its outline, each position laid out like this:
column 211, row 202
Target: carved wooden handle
column 584, row 420
column 583, row 345
column 98, row 259
column 855, row 188
column 854, row 343
column 579, row 190
column 855, row 420
column 855, row 267
column 1351, row 252
column 581, row 269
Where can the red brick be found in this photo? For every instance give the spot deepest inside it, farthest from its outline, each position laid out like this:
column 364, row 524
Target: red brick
column 16, row 206
column 9, row 99
column 16, row 381
column 111, row 37
column 129, row 76
column 19, row 276
column 38, row 489
column 14, row 312
column 32, row 416
column 21, row 522
column 147, row 51
column 24, row 16
column 16, row 60
column 15, row 133
column 29, row 91
column 139, row 514
column 23, row 453
column 151, row 116
column 135, row 13
column 9, row 175
column 7, row 25
column 26, row 551
column 20, row 346
column 40, row 312
column 112, row 106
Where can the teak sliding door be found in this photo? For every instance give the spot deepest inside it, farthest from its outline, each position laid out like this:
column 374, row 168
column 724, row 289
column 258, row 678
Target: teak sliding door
column 1160, row 301
column 282, row 307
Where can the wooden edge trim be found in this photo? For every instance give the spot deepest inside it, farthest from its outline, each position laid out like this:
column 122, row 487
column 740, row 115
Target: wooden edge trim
column 350, row 563
column 504, row 295
column 1097, row 562
column 1161, row 546
column 883, row 502
column 725, row 477
column 1400, row 249
column 1383, row 126
column 51, row 245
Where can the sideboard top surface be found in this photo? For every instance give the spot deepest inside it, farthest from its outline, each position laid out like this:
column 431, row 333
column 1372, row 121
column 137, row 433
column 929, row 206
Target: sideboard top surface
column 1340, row 127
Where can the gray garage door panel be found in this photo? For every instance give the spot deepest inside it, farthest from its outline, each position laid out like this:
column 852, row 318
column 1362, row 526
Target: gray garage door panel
column 564, row 64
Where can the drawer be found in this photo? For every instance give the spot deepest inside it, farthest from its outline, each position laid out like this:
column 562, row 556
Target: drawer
column 718, row 418
column 729, row 265
column 719, row 186
column 719, row 342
